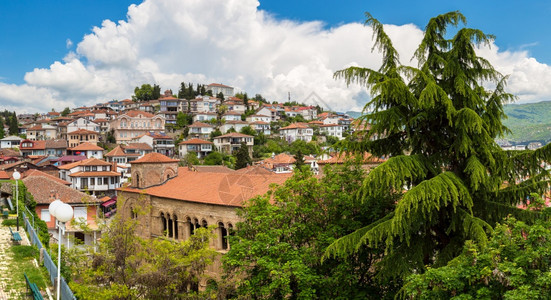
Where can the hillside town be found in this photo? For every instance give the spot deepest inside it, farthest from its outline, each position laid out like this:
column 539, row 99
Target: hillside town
column 178, row 156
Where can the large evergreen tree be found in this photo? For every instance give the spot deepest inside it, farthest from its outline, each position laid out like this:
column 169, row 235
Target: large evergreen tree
column 242, row 157
column 436, row 124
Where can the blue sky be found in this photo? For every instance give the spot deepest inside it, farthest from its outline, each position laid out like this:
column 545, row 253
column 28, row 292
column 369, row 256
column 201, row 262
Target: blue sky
column 45, row 35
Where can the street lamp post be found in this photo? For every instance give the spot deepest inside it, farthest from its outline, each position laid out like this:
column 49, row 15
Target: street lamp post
column 62, row 212
column 16, row 175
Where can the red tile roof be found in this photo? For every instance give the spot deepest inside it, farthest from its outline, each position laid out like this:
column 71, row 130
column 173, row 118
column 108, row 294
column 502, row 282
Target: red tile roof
column 200, row 124
column 219, row 85
column 86, row 147
column 153, row 158
column 4, row 175
column 138, row 146
column 194, row 142
column 136, row 113
column 295, row 126
column 41, row 187
column 233, row 134
column 227, row 189
column 87, row 162
column 31, row 172
column 82, row 131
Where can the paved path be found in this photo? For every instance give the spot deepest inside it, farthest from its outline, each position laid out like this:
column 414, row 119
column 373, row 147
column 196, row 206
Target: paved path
column 6, row 258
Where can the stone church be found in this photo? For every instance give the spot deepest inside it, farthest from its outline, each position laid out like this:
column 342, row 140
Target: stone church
column 173, row 201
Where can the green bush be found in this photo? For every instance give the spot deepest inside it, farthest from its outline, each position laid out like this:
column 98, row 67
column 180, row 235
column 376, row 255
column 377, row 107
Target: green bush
column 9, row 222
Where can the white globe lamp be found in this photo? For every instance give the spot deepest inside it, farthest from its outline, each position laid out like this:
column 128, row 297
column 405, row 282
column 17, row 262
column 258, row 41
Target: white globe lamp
column 64, row 212
column 53, row 206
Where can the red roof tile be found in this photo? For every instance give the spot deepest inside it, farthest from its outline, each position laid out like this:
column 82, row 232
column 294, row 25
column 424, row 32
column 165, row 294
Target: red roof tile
column 86, row 147
column 233, row 134
column 153, row 158
column 227, row 189
column 194, row 142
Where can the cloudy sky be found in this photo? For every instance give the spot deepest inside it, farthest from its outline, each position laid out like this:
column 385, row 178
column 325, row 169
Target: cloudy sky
column 56, row 54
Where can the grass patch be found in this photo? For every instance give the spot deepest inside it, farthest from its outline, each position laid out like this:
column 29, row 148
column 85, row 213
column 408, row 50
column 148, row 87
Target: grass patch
column 10, row 222
column 23, row 262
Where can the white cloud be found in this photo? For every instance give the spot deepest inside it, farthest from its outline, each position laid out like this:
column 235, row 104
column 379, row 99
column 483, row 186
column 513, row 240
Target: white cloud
column 231, row 42
column 68, row 43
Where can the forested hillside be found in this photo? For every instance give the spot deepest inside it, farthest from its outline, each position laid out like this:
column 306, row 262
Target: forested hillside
column 529, row 122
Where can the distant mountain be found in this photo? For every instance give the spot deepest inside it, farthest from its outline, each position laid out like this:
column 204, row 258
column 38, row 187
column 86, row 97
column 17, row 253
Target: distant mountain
column 353, row 114
column 529, row 122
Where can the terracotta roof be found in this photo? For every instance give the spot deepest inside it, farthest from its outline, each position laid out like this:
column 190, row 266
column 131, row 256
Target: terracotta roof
column 230, row 189
column 135, row 113
column 87, row 162
column 9, row 152
column 36, row 127
column 233, row 113
column 41, row 187
column 260, row 123
column 31, row 172
column 254, row 170
column 138, row 146
column 233, row 134
column 236, row 122
column 86, row 147
column 36, row 145
column 101, row 120
column 295, row 126
column 219, row 85
column 4, row 175
column 200, row 124
column 56, row 144
column 215, row 169
column 281, row 158
column 118, row 151
column 194, row 142
column 153, row 158
column 95, row 174
column 82, row 131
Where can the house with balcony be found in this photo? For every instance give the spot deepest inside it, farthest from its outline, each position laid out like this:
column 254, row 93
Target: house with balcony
column 92, row 175
column 231, row 142
column 79, row 136
column 204, row 116
column 139, row 148
column 199, row 146
column 334, row 130
column 236, row 125
column 41, row 132
column 170, row 107
column 86, row 149
column 134, row 123
column 84, row 123
column 232, row 116
column 39, row 148
column 261, row 127
column 297, row 131
column 257, row 117
column 120, row 156
column 160, row 142
column 200, row 130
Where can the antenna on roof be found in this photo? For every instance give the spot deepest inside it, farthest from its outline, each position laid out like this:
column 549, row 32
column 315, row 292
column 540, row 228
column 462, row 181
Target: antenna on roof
column 289, row 93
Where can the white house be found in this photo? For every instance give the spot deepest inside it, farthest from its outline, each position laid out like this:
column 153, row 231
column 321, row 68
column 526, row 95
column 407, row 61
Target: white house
column 82, row 123
column 335, row 130
column 10, row 142
column 93, row 175
column 220, row 88
column 199, row 146
column 296, row 131
column 237, row 125
column 204, row 116
column 258, row 117
column 200, row 130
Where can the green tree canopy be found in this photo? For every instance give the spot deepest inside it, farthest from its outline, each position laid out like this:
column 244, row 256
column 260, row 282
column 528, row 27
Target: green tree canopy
column 436, row 124
column 147, row 92
column 276, row 248
column 514, row 265
column 65, row 111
